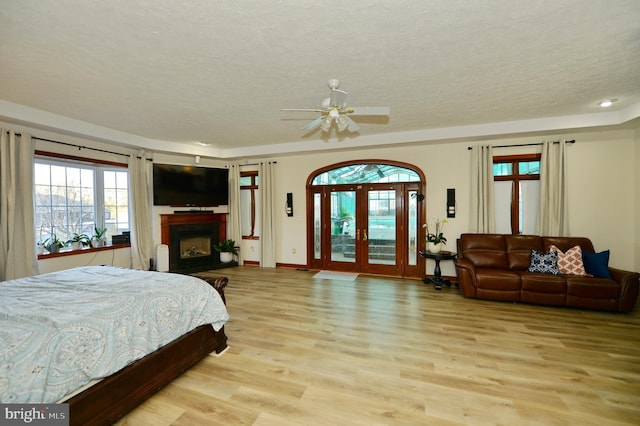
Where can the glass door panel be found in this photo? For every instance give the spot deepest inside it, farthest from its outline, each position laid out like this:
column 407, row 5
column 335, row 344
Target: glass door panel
column 317, row 226
column 344, row 228
column 412, row 234
column 381, row 236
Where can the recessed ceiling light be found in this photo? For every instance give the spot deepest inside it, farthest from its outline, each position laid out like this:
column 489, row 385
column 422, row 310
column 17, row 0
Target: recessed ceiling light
column 607, row 103
column 202, row 143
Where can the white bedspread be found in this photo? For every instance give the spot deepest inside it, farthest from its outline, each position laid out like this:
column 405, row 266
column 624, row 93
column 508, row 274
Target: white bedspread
column 61, row 330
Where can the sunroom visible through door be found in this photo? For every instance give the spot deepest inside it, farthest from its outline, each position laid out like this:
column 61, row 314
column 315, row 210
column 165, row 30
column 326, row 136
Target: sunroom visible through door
column 364, row 217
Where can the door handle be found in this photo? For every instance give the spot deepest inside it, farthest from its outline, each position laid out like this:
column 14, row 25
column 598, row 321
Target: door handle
column 365, row 235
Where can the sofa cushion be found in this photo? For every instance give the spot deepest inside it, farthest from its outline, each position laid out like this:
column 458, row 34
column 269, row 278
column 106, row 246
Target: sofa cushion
column 519, row 250
column 543, row 289
column 597, row 264
column 593, row 287
column 498, row 284
column 544, row 263
column 497, row 279
column 543, row 283
column 570, row 262
column 483, row 250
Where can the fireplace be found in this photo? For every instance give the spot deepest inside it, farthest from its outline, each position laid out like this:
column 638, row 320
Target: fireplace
column 198, row 246
column 191, row 237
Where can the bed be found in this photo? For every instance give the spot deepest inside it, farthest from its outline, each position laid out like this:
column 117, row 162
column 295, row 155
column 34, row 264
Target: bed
column 103, row 339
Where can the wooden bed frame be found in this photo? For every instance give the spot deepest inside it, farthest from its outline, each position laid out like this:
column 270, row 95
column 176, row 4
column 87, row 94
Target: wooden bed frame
column 112, row 398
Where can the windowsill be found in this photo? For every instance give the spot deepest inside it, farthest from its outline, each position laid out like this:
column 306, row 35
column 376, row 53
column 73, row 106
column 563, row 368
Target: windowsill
column 69, row 252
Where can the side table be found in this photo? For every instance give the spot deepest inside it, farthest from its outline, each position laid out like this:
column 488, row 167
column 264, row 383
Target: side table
column 437, row 275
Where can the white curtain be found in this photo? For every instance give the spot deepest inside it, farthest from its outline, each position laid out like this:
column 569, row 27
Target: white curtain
column 482, row 215
column 140, row 184
column 266, row 175
column 553, row 215
column 17, row 230
column 503, row 192
column 234, row 228
column 530, row 199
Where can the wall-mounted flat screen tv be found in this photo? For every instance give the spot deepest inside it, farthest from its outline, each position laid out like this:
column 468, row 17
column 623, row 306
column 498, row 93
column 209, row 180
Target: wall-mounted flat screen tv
column 189, row 186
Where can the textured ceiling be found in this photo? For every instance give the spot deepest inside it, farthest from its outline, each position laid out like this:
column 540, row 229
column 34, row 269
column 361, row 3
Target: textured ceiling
column 167, row 73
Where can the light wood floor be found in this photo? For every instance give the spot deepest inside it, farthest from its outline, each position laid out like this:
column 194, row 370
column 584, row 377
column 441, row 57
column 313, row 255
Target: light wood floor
column 383, row 351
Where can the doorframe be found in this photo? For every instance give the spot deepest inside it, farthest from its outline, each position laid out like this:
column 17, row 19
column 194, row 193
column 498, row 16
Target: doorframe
column 415, row 271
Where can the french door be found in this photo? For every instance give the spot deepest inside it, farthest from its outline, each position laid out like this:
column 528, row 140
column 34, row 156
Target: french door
column 368, row 228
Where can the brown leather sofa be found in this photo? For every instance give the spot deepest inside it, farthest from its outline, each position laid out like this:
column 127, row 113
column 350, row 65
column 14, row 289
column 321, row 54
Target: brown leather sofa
column 494, row 267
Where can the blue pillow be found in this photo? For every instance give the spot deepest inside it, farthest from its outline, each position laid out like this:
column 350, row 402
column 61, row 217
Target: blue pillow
column 597, row 264
column 544, row 263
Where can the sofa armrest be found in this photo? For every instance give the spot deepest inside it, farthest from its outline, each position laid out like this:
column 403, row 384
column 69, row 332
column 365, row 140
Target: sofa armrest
column 629, row 288
column 466, row 272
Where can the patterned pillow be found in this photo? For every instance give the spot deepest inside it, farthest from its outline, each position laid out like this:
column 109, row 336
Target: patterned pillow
column 571, row 261
column 544, row 263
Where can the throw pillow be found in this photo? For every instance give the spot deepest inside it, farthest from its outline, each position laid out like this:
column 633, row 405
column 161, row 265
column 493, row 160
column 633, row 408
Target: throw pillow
column 571, row 261
column 544, row 263
column 597, row 264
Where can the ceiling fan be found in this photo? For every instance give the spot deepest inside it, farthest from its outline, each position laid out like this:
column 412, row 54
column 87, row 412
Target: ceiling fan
column 334, row 110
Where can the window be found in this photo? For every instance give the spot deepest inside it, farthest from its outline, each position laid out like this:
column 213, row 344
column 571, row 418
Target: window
column 517, row 193
column 366, row 173
column 249, row 201
column 73, row 197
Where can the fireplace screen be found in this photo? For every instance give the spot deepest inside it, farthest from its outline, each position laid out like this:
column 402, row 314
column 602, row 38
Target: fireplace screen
column 195, row 247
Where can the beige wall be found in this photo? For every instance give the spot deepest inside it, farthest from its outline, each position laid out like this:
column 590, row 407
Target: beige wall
column 603, row 180
column 603, row 177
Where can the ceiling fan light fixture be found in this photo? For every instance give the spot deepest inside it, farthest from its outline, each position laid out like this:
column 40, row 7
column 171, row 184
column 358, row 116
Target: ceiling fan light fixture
column 326, row 124
column 334, row 109
column 342, row 123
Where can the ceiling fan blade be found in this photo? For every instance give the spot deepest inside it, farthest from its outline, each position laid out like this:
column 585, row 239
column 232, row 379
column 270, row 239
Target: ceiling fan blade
column 312, row 125
column 352, row 126
column 370, row 110
column 338, row 98
column 302, row 109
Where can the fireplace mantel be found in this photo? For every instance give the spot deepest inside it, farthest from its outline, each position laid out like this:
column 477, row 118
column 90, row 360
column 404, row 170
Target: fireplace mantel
column 166, row 220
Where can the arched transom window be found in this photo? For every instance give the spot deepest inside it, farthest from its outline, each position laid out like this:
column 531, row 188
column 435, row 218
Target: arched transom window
column 366, row 173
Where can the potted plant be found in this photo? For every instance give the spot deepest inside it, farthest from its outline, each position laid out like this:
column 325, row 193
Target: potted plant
column 99, row 236
column 340, row 221
column 436, row 239
column 227, row 250
column 53, row 244
column 77, row 241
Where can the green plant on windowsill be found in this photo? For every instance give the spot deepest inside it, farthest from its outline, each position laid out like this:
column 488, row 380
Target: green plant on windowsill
column 53, row 244
column 100, row 236
column 78, row 241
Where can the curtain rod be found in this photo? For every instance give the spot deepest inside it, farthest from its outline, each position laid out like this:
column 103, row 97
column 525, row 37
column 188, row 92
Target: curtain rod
column 80, row 146
column 77, row 146
column 257, row 164
column 469, row 148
